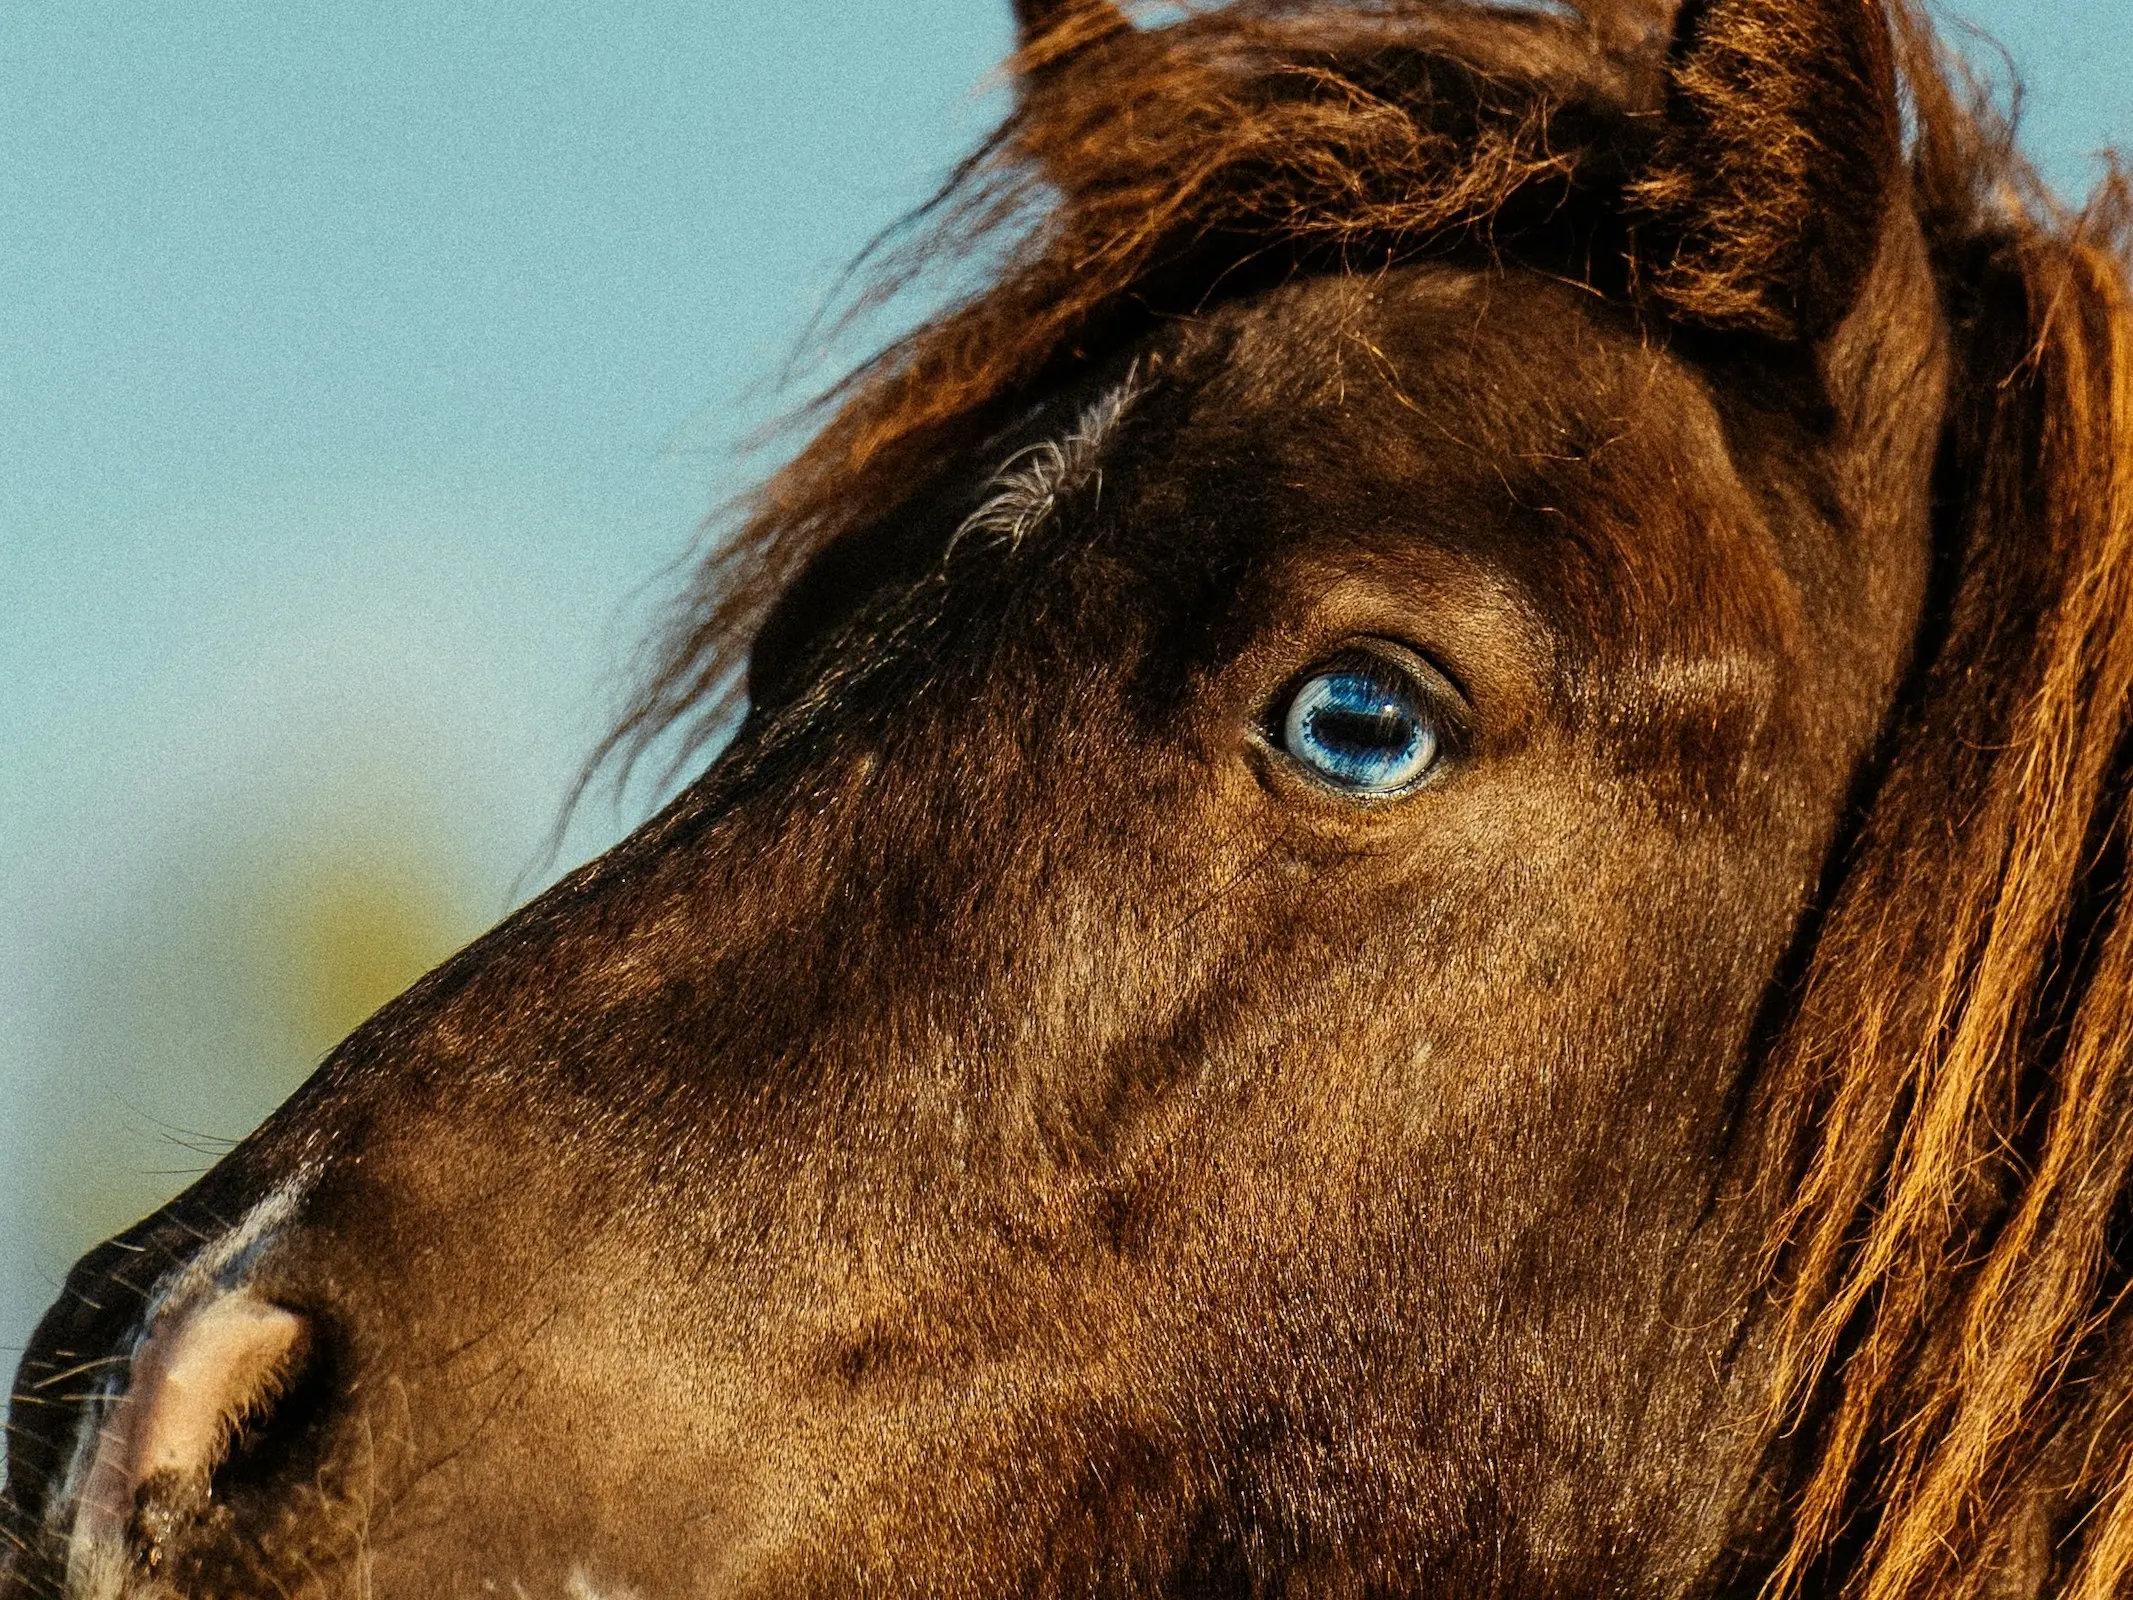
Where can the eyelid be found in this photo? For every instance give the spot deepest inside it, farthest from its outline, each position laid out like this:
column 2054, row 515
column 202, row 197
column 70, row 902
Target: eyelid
column 1426, row 669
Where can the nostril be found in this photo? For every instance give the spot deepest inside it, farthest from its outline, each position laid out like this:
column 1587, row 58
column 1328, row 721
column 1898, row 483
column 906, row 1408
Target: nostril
column 203, row 1396
column 282, row 1434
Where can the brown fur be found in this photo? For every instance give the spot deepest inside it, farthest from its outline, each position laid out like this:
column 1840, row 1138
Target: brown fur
column 994, row 1100
column 1762, row 115
column 1958, row 1088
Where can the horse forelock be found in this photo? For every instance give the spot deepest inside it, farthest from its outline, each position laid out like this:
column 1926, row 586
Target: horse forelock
column 1951, row 1098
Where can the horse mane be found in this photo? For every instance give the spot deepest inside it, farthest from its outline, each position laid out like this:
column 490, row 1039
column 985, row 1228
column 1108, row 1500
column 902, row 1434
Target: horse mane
column 1949, row 1108
column 1953, row 1100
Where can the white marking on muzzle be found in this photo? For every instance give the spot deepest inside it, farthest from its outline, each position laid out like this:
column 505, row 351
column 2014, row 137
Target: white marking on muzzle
column 202, row 1346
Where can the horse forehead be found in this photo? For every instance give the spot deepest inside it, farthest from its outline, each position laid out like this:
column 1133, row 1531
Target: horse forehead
column 1504, row 344
column 1519, row 421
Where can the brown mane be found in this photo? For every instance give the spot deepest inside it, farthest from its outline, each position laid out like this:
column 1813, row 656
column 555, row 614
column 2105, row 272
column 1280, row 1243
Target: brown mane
column 1958, row 1083
column 1952, row 1100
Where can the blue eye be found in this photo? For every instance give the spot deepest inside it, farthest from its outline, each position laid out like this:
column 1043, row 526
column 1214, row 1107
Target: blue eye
column 1362, row 725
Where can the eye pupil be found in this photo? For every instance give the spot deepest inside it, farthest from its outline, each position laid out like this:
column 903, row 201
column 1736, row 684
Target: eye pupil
column 1381, row 728
column 1362, row 728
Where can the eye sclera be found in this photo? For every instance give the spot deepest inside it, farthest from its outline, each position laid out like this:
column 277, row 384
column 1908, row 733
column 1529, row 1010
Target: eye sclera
column 1373, row 721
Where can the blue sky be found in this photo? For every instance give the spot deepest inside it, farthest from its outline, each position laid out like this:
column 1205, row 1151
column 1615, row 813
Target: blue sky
column 364, row 371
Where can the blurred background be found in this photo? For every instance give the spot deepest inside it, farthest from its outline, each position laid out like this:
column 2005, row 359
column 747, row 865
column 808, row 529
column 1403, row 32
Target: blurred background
column 365, row 373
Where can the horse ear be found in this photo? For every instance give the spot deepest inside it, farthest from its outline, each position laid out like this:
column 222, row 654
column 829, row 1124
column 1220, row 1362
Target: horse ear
column 1054, row 30
column 1781, row 146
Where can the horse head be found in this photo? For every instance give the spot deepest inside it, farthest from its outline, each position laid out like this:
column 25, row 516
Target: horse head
column 1415, row 891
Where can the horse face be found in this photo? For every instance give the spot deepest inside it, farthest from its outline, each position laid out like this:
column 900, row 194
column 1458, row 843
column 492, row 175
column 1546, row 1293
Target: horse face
column 1189, row 1045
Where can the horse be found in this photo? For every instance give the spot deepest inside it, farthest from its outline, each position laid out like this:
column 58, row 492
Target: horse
column 1414, row 883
